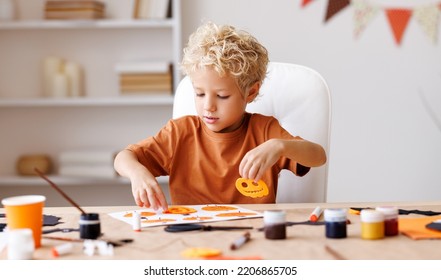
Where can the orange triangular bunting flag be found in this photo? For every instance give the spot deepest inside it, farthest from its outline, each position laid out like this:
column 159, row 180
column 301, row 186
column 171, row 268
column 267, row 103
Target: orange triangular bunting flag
column 306, row 2
column 335, row 6
column 398, row 20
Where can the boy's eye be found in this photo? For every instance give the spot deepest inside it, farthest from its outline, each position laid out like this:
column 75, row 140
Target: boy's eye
column 200, row 94
column 223, row 97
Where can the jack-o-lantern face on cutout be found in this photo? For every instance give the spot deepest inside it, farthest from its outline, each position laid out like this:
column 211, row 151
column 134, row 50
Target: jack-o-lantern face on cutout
column 249, row 188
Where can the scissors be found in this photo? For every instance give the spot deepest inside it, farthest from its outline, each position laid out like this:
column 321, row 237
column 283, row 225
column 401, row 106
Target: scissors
column 60, row 229
column 190, row 227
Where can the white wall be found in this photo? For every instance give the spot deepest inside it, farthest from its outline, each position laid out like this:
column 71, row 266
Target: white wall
column 385, row 146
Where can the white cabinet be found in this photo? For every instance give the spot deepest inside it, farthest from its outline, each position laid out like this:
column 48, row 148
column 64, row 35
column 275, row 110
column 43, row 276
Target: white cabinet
column 33, row 124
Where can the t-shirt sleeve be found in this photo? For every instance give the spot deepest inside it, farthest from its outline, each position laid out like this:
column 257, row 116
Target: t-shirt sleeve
column 275, row 130
column 156, row 152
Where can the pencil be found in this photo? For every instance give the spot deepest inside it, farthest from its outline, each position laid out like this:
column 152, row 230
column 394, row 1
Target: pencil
column 241, row 241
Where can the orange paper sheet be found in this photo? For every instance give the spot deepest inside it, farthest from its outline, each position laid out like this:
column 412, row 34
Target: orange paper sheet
column 415, row 228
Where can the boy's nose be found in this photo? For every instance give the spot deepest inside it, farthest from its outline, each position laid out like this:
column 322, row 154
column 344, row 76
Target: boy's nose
column 209, row 104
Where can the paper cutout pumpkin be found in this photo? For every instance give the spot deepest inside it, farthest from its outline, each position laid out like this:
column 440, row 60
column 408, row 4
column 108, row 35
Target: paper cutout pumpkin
column 218, row 208
column 179, row 210
column 236, row 214
column 143, row 214
column 248, row 187
column 164, row 221
column 200, row 252
column 197, row 218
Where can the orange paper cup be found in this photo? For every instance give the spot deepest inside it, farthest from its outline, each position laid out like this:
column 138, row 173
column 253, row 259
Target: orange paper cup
column 25, row 212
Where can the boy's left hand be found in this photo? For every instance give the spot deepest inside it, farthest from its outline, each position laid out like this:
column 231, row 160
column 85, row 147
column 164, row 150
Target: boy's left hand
column 257, row 161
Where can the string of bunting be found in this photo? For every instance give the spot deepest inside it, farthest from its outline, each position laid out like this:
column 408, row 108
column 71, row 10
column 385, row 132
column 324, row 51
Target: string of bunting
column 427, row 16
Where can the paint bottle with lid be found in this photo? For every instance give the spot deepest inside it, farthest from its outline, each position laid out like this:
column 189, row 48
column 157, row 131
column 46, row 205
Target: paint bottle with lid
column 390, row 219
column 274, row 224
column 372, row 224
column 90, row 226
column 335, row 223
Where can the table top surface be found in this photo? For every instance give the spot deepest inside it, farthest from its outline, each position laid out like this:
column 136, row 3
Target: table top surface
column 303, row 242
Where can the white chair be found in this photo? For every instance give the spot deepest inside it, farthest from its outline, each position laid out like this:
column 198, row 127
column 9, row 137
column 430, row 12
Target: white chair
column 300, row 99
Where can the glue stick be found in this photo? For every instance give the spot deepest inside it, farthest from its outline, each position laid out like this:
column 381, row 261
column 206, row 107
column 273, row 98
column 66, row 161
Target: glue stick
column 62, row 249
column 136, row 223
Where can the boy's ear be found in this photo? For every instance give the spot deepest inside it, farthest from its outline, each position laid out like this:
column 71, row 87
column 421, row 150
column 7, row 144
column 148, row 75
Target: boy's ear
column 253, row 91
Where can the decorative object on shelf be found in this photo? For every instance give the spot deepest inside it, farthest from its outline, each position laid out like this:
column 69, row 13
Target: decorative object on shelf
column 94, row 163
column 152, row 9
column 26, row 163
column 71, row 10
column 74, row 73
column 145, row 77
column 8, row 10
column 62, row 78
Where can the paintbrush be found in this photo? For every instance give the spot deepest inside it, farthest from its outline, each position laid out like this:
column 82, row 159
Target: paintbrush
column 52, row 184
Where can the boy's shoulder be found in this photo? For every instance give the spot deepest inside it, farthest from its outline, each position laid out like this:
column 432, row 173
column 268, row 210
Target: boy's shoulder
column 260, row 118
column 186, row 121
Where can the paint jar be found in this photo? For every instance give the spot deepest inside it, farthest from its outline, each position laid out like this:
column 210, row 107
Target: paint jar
column 335, row 223
column 274, row 224
column 90, row 226
column 372, row 224
column 390, row 219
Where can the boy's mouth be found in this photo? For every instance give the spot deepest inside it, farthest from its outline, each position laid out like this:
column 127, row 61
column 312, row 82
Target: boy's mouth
column 210, row 120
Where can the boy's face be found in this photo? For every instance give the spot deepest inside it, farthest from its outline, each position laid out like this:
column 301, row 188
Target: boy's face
column 219, row 102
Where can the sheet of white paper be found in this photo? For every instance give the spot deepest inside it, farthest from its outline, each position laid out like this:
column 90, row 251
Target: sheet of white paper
column 187, row 214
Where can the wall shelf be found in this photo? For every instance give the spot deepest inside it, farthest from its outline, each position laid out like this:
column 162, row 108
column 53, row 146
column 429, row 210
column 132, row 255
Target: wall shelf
column 13, row 180
column 84, row 24
column 150, row 100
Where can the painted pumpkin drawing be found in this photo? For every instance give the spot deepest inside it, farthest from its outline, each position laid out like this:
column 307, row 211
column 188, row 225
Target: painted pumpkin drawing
column 248, row 187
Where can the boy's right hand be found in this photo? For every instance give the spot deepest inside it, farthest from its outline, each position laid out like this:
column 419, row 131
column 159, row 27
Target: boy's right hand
column 147, row 192
column 145, row 189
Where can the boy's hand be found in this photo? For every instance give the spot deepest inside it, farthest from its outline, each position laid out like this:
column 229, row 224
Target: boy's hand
column 147, row 192
column 258, row 160
column 145, row 189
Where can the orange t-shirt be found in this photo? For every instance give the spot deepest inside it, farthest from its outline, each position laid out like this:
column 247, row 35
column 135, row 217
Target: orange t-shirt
column 204, row 165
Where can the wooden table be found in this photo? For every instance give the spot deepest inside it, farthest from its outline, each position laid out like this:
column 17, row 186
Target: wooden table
column 304, row 242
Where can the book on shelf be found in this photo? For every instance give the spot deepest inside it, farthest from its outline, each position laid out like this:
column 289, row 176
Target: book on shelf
column 152, row 9
column 142, row 78
column 87, row 163
column 87, row 156
column 145, row 77
column 74, row 15
column 74, row 10
column 66, row 4
column 92, row 171
column 140, row 67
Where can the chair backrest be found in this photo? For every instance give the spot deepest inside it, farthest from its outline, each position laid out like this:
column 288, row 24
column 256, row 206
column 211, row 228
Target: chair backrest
column 300, row 99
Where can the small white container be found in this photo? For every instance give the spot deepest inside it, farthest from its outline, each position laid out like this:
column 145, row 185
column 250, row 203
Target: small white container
column 20, row 244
